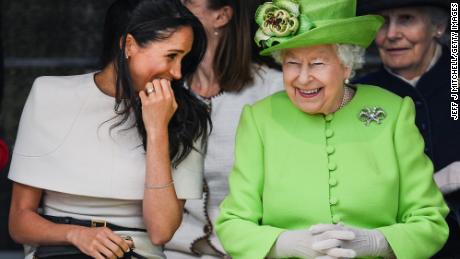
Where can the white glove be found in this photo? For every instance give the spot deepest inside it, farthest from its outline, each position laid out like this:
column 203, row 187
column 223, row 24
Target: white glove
column 448, row 178
column 298, row 243
column 367, row 242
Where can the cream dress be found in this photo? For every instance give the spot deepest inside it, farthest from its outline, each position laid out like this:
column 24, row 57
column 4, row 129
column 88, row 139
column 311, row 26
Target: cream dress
column 87, row 171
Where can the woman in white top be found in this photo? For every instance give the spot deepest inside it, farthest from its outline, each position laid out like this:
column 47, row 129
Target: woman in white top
column 114, row 153
column 231, row 75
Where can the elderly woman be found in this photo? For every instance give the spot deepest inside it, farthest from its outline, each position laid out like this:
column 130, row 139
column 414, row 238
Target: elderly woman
column 328, row 169
column 416, row 64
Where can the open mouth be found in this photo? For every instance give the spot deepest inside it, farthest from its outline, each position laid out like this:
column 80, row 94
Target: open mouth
column 309, row 93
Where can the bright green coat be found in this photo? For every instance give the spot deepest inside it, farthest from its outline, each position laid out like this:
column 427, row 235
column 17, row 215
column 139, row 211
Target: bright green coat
column 293, row 170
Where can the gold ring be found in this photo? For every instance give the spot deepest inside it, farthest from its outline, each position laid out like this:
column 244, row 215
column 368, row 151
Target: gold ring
column 149, row 90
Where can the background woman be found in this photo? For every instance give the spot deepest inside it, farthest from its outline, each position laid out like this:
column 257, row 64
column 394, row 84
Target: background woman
column 231, row 75
column 99, row 148
column 417, row 64
column 327, row 168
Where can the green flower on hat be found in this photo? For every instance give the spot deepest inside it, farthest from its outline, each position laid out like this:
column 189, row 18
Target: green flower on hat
column 278, row 20
column 288, row 24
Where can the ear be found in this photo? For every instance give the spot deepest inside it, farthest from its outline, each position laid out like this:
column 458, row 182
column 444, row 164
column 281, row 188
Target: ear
column 439, row 30
column 346, row 72
column 223, row 16
column 131, row 46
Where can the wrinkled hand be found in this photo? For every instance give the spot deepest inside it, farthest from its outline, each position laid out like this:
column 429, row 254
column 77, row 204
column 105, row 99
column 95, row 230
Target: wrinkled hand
column 159, row 106
column 367, row 242
column 303, row 244
column 99, row 242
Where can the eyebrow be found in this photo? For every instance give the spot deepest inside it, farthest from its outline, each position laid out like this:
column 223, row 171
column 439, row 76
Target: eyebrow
column 176, row 50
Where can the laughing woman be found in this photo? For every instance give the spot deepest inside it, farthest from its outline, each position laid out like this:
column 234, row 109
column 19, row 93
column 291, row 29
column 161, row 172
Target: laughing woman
column 112, row 153
column 327, row 168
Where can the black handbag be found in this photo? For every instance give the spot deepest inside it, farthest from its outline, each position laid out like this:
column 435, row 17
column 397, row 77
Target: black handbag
column 72, row 252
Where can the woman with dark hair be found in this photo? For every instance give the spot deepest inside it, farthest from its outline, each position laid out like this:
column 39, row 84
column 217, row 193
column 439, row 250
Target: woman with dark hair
column 231, row 75
column 115, row 153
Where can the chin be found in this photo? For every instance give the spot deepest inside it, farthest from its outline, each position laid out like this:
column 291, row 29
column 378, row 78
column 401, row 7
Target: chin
column 308, row 110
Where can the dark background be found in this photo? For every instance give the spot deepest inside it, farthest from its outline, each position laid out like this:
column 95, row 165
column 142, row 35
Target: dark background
column 40, row 37
column 45, row 37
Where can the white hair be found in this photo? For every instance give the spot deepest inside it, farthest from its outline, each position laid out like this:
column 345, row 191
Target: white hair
column 350, row 55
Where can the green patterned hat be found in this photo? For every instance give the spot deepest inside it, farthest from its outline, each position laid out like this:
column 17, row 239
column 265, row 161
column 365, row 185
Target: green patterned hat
column 286, row 24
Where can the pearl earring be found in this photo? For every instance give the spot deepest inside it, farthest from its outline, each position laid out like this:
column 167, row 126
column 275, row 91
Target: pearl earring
column 216, row 33
column 347, row 81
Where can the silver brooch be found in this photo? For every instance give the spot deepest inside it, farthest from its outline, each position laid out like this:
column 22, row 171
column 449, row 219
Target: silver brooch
column 370, row 114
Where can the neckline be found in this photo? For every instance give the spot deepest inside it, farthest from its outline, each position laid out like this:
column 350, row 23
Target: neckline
column 350, row 103
column 221, row 92
column 97, row 90
column 202, row 98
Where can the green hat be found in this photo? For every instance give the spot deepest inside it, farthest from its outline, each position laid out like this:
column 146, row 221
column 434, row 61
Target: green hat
column 286, row 24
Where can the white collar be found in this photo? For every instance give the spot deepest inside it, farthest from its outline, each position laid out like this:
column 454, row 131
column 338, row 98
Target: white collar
column 413, row 82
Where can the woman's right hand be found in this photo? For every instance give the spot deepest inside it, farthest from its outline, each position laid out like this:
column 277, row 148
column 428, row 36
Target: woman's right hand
column 100, row 242
column 158, row 105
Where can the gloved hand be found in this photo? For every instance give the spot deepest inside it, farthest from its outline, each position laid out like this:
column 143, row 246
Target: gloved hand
column 448, row 178
column 299, row 243
column 367, row 242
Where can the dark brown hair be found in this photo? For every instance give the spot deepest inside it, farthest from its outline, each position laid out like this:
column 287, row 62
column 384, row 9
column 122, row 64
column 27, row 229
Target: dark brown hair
column 234, row 56
column 150, row 21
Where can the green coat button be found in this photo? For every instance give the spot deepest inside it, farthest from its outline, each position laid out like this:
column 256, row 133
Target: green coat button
column 329, row 117
column 332, row 166
column 332, row 182
column 333, row 200
column 336, row 219
column 330, row 149
column 329, row 133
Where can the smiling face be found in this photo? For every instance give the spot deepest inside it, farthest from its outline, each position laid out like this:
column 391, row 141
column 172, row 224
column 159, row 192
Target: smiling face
column 314, row 78
column 406, row 41
column 159, row 59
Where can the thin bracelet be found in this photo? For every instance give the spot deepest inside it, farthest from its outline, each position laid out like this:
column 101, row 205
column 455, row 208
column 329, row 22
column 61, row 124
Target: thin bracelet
column 151, row 186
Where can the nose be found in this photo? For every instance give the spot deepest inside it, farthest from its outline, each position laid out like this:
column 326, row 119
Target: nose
column 175, row 70
column 393, row 30
column 304, row 76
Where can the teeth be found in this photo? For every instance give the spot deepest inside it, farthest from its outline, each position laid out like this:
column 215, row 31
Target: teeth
column 314, row 91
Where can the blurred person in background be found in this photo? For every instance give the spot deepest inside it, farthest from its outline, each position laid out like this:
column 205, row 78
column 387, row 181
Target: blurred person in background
column 231, row 75
column 417, row 64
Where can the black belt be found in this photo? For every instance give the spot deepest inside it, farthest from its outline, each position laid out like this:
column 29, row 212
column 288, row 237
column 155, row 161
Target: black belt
column 69, row 251
column 89, row 223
